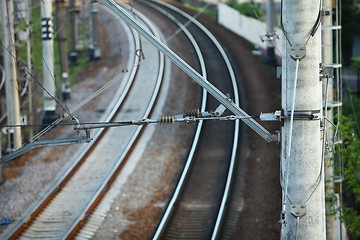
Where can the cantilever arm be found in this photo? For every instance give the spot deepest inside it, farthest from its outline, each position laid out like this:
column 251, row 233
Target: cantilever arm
column 42, row 143
column 190, row 71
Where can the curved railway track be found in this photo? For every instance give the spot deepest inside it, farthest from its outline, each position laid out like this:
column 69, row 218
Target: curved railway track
column 197, row 206
column 65, row 207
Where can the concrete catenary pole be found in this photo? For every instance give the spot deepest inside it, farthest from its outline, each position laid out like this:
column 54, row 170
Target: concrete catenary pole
column 64, row 68
column 11, row 84
column 327, row 60
column 73, row 55
column 30, row 68
column 94, row 49
column 303, row 214
column 270, row 52
column 49, row 113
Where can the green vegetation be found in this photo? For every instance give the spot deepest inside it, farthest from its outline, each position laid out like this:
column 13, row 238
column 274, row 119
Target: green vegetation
column 356, row 65
column 248, row 9
column 209, row 12
column 37, row 51
column 350, row 157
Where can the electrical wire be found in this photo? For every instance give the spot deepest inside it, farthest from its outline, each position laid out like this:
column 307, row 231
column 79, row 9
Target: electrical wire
column 187, row 23
column 2, row 77
column 64, row 108
column 263, row 26
column 313, row 29
column 251, row 4
column 33, row 77
column 162, row 120
column 297, row 227
column 288, row 152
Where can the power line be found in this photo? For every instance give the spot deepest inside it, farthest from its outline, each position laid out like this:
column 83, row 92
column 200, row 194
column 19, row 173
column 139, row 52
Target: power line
column 32, row 76
column 43, row 60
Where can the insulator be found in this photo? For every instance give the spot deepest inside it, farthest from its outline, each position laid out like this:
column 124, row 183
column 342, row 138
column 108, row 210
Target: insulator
column 193, row 113
column 165, row 120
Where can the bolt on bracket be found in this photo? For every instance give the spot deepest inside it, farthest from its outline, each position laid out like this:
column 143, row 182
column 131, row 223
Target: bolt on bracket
column 298, row 52
column 298, row 115
column 298, row 210
column 326, row 71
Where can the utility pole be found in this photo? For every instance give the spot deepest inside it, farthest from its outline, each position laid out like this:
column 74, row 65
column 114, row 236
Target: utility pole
column 73, row 55
column 30, row 68
column 64, row 68
column 11, row 84
column 303, row 213
column 49, row 114
column 270, row 56
column 94, row 49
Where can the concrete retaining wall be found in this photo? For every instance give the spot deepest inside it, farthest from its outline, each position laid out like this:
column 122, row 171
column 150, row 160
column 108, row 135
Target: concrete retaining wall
column 249, row 28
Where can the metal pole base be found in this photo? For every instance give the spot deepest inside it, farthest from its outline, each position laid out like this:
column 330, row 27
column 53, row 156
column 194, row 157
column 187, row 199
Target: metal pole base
column 66, row 95
column 73, row 57
column 48, row 117
column 270, row 57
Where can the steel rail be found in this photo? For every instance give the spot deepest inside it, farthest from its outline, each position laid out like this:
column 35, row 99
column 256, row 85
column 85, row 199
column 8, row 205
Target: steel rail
column 110, row 113
column 76, row 228
column 166, row 216
column 228, row 184
column 236, row 135
column 101, row 190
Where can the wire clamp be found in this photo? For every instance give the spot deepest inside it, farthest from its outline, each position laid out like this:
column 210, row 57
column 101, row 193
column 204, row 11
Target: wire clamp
column 298, row 52
column 298, row 115
column 298, row 210
column 326, row 71
column 282, row 220
column 269, row 37
column 274, row 116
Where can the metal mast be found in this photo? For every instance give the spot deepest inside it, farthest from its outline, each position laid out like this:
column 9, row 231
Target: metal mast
column 73, row 32
column 301, row 153
column 11, row 85
column 270, row 57
column 49, row 114
column 95, row 53
column 60, row 23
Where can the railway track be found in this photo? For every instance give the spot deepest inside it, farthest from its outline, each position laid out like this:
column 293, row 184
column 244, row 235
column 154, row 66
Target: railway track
column 60, row 214
column 197, row 207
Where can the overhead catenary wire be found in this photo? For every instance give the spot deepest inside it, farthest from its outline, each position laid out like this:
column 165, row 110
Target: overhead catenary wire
column 186, row 24
column 163, row 120
column 33, row 77
column 2, row 77
column 69, row 113
column 272, row 39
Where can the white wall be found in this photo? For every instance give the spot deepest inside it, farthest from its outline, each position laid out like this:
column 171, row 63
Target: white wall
column 249, row 28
